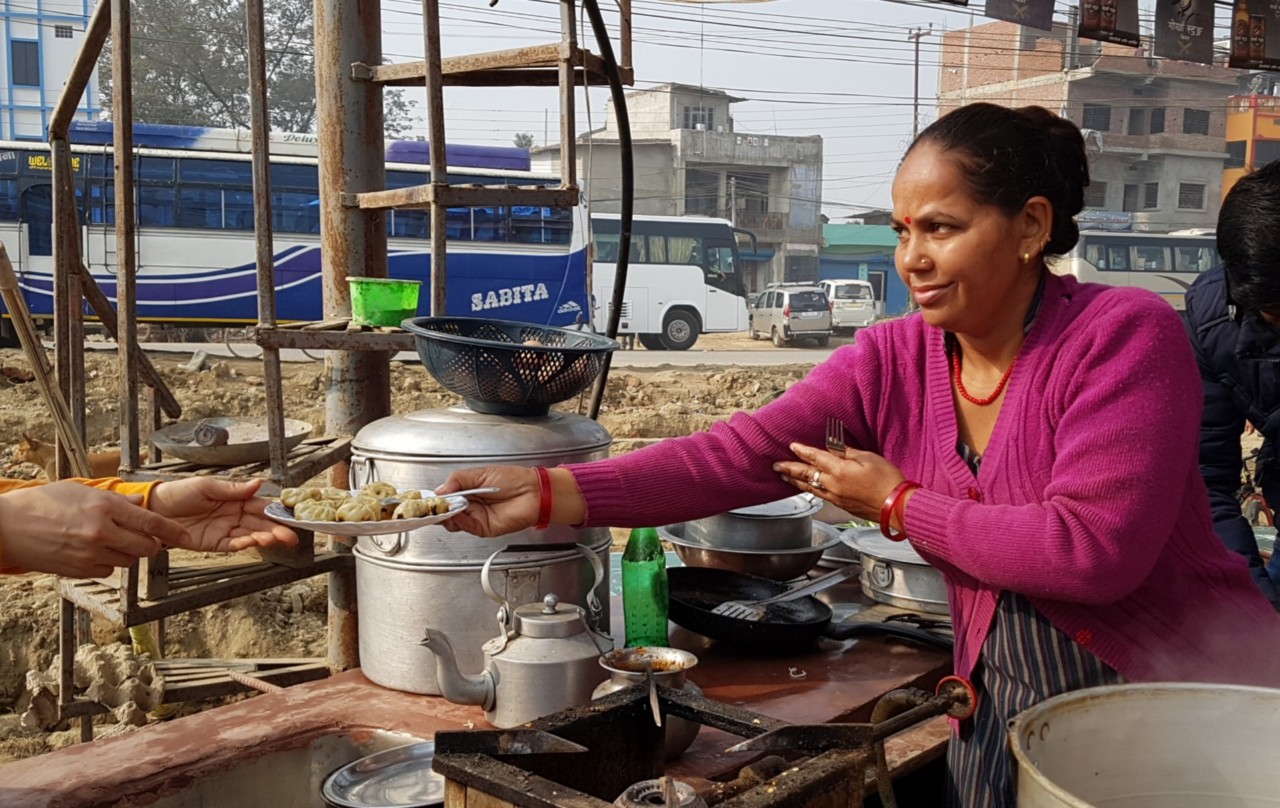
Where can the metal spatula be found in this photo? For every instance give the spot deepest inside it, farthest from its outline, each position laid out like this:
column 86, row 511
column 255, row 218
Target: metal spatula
column 755, row 610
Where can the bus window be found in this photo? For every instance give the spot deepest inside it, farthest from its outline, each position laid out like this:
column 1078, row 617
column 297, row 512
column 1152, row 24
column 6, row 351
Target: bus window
column 1193, row 259
column 720, row 260
column 238, row 207
column 157, row 207
column 9, row 200
column 607, row 248
column 1150, row 259
column 657, row 249
column 199, row 208
column 457, row 223
column 684, row 250
column 1117, row 259
column 638, row 252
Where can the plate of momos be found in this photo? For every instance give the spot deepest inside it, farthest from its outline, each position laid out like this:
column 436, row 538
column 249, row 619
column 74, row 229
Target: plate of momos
column 374, row 509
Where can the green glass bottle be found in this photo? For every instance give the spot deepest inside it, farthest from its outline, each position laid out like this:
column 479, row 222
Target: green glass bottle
column 644, row 589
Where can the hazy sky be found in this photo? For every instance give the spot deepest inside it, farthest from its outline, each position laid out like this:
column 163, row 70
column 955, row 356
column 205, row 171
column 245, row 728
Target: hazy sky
column 842, row 69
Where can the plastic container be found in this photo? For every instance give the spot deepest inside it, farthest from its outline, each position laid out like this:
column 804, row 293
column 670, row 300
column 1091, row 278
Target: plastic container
column 383, row 301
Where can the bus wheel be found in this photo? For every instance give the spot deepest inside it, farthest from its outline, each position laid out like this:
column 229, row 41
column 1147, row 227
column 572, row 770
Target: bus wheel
column 680, row 331
column 651, row 341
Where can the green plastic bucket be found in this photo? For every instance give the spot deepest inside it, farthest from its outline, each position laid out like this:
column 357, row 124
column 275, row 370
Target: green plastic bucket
column 383, row 301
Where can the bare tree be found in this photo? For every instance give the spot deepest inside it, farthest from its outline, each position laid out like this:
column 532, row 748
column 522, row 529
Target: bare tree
column 190, row 66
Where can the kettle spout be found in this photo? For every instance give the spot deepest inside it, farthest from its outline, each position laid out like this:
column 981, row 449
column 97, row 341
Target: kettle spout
column 456, row 686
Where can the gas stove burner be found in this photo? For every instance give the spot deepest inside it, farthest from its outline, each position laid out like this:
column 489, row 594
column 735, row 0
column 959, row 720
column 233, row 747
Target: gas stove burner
column 650, row 793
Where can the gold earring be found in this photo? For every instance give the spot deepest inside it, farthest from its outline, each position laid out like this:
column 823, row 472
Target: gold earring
column 1026, row 258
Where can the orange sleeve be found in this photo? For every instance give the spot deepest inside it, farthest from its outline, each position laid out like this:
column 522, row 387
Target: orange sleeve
column 115, row 484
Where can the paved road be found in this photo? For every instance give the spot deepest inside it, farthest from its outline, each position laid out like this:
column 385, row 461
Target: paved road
column 634, row 359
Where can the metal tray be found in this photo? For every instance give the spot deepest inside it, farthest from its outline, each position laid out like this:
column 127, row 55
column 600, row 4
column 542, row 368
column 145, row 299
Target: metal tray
column 395, row 778
column 247, row 440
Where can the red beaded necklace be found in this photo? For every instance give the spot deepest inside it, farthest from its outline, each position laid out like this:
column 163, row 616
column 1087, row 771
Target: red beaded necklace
column 981, row 402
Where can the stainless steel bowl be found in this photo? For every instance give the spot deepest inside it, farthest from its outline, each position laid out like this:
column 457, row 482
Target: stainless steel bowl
column 786, row 524
column 779, row 565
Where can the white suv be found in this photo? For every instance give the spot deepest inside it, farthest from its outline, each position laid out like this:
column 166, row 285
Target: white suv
column 853, row 303
column 788, row 312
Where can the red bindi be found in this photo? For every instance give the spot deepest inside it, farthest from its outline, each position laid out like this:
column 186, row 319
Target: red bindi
column 906, row 219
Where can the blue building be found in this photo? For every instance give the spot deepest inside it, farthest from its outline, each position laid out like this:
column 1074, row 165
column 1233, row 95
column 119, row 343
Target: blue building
column 41, row 40
column 864, row 252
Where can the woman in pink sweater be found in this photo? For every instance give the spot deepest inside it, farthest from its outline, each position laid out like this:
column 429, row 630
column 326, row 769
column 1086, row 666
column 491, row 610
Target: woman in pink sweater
column 1032, row 437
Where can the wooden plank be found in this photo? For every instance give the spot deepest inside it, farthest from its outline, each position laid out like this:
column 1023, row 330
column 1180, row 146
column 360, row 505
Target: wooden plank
column 424, row 196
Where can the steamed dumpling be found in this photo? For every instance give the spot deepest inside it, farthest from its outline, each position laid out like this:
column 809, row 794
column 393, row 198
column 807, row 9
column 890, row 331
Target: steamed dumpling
column 357, row 511
column 413, row 509
column 314, row 510
column 290, row 497
column 335, row 494
column 379, row 489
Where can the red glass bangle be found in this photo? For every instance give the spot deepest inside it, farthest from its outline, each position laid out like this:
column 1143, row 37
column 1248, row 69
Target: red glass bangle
column 895, row 503
column 544, row 499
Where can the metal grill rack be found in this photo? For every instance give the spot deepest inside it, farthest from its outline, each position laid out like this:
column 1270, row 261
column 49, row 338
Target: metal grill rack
column 350, row 78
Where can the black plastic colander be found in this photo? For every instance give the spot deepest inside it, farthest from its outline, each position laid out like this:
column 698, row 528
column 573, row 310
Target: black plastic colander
column 503, row 367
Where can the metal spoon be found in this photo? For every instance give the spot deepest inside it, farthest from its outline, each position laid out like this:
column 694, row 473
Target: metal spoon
column 653, row 691
column 397, row 500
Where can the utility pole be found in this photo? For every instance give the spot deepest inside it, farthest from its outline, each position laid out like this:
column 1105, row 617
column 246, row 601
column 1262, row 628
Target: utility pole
column 915, row 35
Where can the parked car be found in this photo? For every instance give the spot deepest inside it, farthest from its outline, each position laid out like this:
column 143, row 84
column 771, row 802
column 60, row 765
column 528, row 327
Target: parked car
column 853, row 303
column 789, row 312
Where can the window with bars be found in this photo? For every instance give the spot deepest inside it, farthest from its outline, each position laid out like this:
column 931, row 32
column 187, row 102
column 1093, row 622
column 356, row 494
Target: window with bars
column 1265, row 151
column 1137, row 121
column 63, row 32
column 1095, row 195
column 1096, row 116
column 1195, row 122
column 25, row 61
column 1236, row 151
column 1191, row 196
column 1156, row 118
column 1150, row 195
column 699, row 116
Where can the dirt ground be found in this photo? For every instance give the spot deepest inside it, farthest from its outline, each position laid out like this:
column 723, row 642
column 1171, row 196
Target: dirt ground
column 641, row 405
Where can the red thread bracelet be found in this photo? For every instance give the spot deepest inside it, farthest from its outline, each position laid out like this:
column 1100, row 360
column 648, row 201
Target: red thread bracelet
column 544, row 499
column 895, row 503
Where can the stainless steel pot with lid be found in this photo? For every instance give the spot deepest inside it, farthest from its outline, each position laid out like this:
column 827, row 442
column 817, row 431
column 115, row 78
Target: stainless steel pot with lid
column 421, row 449
column 894, row 573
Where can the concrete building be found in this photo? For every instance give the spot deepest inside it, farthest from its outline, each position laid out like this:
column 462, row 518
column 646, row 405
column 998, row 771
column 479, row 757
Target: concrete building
column 691, row 161
column 41, row 42
column 1253, row 134
column 1154, row 128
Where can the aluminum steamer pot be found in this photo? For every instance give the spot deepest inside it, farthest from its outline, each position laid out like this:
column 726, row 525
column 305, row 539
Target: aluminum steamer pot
column 1149, row 746
column 782, row 525
column 894, row 573
column 398, row 598
column 421, row 449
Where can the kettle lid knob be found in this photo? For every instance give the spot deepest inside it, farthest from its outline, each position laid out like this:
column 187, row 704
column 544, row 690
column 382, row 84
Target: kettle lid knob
column 549, row 604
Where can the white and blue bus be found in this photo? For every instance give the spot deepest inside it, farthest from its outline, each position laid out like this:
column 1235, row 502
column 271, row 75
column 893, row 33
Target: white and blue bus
column 1165, row 263
column 683, row 278
column 195, row 242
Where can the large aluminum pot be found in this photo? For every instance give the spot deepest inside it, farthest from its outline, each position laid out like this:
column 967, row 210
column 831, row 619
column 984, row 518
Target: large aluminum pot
column 786, row 524
column 1149, row 746
column 894, row 573
column 399, row 600
column 421, row 449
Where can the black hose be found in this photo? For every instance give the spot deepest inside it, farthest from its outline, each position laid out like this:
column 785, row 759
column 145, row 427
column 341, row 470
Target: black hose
column 592, row 8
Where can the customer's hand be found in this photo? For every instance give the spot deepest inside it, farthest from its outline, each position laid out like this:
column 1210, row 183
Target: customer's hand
column 71, row 529
column 220, row 516
column 859, row 482
column 514, row 507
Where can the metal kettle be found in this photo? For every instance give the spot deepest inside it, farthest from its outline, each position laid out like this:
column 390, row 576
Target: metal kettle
column 545, row 658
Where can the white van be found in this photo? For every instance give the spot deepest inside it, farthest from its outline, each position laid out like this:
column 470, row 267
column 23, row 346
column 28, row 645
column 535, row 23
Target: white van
column 853, row 303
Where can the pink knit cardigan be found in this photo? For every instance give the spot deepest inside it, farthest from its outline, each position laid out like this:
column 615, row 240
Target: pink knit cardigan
column 1089, row 500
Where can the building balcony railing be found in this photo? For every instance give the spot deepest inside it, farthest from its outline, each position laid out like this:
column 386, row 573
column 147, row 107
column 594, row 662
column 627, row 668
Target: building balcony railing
column 759, row 222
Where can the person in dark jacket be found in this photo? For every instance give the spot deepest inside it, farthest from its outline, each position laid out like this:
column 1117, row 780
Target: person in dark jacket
column 1233, row 316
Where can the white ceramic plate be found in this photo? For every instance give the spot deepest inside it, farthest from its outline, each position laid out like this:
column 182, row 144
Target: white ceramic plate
column 382, row 527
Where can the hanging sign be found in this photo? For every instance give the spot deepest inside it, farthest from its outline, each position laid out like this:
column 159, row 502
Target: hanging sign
column 1184, row 30
column 1255, row 34
column 1031, row 13
column 1110, row 21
